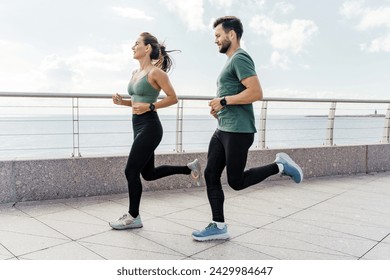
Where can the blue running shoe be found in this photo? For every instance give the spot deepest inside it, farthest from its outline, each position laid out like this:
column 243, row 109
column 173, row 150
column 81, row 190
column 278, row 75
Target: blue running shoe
column 211, row 232
column 291, row 169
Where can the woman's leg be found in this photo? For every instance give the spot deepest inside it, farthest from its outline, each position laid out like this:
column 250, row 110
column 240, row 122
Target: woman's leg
column 147, row 138
column 151, row 173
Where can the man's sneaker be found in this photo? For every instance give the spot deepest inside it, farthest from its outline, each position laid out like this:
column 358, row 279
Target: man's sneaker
column 290, row 168
column 211, row 232
column 126, row 222
column 196, row 172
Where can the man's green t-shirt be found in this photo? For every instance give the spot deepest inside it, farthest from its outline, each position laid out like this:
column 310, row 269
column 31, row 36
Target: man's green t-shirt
column 236, row 118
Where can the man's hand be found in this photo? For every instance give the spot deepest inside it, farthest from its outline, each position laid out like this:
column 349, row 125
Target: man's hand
column 214, row 114
column 215, row 105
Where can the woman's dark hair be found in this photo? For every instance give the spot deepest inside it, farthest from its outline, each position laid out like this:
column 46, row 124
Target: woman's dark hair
column 230, row 23
column 158, row 53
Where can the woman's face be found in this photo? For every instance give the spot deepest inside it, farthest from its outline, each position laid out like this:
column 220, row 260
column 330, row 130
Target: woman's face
column 139, row 48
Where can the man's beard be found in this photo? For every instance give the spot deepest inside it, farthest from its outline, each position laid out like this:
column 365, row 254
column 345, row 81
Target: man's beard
column 225, row 46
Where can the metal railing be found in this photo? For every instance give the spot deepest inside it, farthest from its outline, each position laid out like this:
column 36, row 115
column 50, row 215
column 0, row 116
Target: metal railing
column 276, row 118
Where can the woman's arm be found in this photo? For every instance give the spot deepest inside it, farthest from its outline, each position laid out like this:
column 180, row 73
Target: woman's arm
column 160, row 79
column 118, row 100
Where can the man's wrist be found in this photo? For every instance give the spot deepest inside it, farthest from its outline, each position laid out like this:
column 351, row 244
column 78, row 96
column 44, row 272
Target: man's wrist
column 223, row 102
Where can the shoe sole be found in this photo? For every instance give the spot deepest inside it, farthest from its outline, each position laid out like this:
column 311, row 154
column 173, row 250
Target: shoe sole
column 126, row 227
column 287, row 158
column 212, row 237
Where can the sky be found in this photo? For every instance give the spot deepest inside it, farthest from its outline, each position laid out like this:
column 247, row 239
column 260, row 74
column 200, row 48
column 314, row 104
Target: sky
column 301, row 48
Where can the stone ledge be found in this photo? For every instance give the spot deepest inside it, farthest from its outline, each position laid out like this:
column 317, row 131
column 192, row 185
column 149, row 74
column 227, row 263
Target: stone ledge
column 77, row 177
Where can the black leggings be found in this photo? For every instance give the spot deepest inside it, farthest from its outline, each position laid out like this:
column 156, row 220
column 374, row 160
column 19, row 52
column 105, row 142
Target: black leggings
column 147, row 136
column 231, row 150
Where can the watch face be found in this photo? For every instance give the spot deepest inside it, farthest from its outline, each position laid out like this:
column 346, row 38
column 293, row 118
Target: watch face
column 223, row 102
column 152, row 107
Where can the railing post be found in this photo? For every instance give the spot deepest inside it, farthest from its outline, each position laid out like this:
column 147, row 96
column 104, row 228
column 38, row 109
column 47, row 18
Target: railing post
column 386, row 130
column 76, row 127
column 179, row 126
column 331, row 116
column 263, row 124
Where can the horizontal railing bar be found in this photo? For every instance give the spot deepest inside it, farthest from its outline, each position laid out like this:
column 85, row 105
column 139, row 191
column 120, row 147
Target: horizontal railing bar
column 184, row 97
column 36, row 134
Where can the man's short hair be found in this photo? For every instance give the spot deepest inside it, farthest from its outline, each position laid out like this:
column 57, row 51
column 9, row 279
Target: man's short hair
column 230, row 23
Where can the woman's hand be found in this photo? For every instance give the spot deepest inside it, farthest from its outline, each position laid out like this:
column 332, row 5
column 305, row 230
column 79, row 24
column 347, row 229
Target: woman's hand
column 141, row 108
column 117, row 99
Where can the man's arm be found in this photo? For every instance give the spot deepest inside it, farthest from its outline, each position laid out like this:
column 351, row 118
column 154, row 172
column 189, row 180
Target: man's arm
column 252, row 93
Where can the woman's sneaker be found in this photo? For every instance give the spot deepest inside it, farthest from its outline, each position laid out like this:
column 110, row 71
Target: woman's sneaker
column 196, row 172
column 127, row 222
column 290, row 168
column 211, row 232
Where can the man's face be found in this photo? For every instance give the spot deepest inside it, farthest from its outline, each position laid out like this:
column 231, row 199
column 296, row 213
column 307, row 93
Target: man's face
column 221, row 39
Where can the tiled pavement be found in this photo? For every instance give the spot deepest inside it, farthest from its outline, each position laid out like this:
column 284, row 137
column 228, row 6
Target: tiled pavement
column 332, row 218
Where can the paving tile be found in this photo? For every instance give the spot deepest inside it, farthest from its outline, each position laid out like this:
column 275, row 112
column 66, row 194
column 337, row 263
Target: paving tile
column 128, row 239
column 75, row 230
column 162, row 225
column 200, row 214
column 118, row 253
column 349, row 225
column 67, row 251
column 292, row 196
column 21, row 244
column 27, row 225
column 248, row 218
column 232, row 251
column 354, row 213
column 379, row 252
column 8, row 209
column 39, row 208
column 349, row 246
column 180, row 243
column 262, row 206
column 73, row 215
column 297, row 254
column 4, row 253
column 281, row 240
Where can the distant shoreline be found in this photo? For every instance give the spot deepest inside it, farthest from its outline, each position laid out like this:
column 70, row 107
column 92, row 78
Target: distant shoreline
column 349, row 116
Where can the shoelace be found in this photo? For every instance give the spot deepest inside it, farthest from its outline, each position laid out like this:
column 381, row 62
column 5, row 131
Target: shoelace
column 123, row 217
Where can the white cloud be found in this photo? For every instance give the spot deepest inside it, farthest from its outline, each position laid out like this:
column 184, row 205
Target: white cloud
column 131, row 13
column 351, row 9
column 221, row 3
column 280, row 60
column 378, row 45
column 284, row 8
column 367, row 17
column 189, row 11
column 87, row 70
column 284, row 36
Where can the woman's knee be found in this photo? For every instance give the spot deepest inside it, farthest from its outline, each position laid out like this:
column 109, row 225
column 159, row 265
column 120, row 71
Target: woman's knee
column 148, row 176
column 235, row 183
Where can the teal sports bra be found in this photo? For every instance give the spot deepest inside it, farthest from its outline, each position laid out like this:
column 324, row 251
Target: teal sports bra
column 142, row 91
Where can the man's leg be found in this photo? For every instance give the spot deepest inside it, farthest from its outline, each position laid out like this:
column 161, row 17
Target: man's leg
column 215, row 165
column 213, row 171
column 237, row 146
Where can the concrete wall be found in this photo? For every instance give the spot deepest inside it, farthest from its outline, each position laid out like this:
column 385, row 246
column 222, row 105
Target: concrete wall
column 74, row 177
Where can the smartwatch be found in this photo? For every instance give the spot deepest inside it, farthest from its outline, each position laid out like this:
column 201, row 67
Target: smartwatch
column 223, row 102
column 152, row 107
